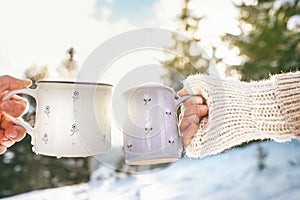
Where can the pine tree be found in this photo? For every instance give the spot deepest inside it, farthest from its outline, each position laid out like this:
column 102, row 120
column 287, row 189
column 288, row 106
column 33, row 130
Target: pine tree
column 261, row 155
column 68, row 67
column 266, row 41
column 185, row 57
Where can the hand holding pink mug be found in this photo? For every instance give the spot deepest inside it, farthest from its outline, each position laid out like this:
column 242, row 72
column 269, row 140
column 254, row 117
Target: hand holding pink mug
column 193, row 116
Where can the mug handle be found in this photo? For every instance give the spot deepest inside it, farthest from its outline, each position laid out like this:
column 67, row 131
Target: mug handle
column 19, row 120
column 180, row 100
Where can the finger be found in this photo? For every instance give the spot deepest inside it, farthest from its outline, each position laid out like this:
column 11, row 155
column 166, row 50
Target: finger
column 200, row 110
column 7, row 143
column 182, row 92
column 187, row 141
column 186, row 121
column 189, row 134
column 18, row 98
column 6, row 122
column 14, row 108
column 2, row 149
column 190, row 131
column 194, row 100
column 1, row 135
column 10, row 83
column 15, row 133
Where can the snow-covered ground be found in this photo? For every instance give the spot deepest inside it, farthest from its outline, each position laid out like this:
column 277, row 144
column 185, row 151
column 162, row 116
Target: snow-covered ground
column 230, row 175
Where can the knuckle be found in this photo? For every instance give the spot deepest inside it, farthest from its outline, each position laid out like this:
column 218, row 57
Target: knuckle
column 186, row 103
column 5, row 77
column 204, row 109
column 195, row 118
column 5, row 81
column 198, row 100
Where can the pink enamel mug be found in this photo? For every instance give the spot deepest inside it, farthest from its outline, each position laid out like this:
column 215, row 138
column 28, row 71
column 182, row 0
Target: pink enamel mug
column 150, row 131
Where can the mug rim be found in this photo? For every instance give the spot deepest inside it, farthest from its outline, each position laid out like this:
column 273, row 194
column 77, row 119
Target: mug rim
column 75, row 82
column 149, row 85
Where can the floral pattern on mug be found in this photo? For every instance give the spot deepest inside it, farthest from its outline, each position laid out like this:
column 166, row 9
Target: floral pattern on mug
column 168, row 112
column 171, row 140
column 47, row 110
column 45, row 138
column 147, row 98
column 129, row 146
column 148, row 127
column 104, row 139
column 74, row 129
column 75, row 95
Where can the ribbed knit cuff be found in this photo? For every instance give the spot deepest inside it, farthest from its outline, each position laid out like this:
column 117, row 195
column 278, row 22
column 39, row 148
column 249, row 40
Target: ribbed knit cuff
column 288, row 93
column 241, row 112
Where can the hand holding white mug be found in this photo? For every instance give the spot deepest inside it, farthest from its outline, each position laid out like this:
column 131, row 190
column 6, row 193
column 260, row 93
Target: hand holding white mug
column 10, row 132
column 192, row 110
column 72, row 118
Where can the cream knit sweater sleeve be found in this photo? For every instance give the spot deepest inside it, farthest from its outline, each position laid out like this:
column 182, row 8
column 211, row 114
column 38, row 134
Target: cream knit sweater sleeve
column 240, row 112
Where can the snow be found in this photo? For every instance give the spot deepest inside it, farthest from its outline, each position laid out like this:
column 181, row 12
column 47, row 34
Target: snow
column 230, row 175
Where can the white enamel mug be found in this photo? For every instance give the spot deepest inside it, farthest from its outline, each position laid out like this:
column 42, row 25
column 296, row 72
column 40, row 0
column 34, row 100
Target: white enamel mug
column 150, row 131
column 72, row 118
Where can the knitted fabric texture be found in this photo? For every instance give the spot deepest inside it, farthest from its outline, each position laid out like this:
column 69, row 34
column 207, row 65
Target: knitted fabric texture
column 240, row 112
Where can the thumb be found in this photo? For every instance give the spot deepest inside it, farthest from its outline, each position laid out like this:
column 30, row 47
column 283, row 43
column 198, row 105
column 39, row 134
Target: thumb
column 10, row 83
column 182, row 92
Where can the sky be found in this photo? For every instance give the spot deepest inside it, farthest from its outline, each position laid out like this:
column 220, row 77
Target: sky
column 35, row 32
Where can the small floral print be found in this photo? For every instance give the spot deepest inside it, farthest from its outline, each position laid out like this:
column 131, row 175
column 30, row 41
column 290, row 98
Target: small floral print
column 47, row 110
column 148, row 127
column 168, row 112
column 147, row 98
column 171, row 140
column 74, row 129
column 75, row 96
column 147, row 130
column 104, row 138
column 129, row 146
column 45, row 138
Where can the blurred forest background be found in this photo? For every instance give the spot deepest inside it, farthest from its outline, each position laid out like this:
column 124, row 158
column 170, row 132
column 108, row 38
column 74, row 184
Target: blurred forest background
column 268, row 43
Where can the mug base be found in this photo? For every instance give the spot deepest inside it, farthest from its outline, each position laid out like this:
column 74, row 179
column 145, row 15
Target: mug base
column 152, row 161
column 69, row 155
